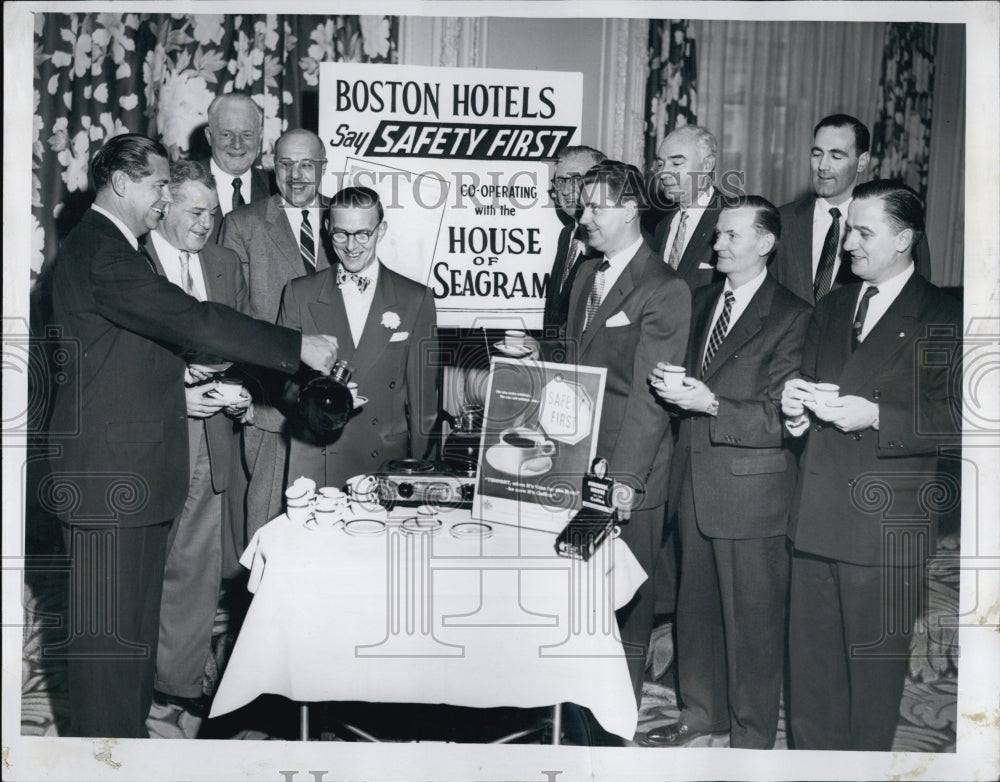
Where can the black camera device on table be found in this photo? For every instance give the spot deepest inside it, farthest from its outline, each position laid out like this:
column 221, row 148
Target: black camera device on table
column 596, row 519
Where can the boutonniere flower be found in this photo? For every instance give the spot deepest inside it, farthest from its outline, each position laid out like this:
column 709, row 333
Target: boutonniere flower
column 390, row 320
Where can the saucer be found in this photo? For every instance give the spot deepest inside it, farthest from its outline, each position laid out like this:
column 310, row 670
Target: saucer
column 359, row 401
column 500, row 457
column 509, row 351
column 415, row 525
column 364, row 527
column 471, row 529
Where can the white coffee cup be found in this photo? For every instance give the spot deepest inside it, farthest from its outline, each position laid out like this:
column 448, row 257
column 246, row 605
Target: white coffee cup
column 228, row 389
column 672, row 378
column 333, row 502
column 299, row 513
column 825, row 393
column 514, row 339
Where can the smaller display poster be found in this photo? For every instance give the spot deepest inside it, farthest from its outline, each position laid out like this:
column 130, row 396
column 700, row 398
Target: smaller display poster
column 539, row 439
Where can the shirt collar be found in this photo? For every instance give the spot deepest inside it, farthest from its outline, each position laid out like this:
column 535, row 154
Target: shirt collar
column 893, row 285
column 747, row 290
column 619, row 259
column 225, row 178
column 121, row 226
column 823, row 207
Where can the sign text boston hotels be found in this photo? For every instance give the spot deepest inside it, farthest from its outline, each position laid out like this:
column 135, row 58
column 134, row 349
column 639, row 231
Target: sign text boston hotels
column 459, row 157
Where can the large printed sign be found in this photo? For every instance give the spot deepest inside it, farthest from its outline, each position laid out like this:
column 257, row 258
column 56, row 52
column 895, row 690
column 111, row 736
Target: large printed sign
column 459, row 157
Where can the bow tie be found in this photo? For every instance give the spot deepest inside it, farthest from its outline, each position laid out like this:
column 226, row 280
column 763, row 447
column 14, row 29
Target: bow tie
column 358, row 279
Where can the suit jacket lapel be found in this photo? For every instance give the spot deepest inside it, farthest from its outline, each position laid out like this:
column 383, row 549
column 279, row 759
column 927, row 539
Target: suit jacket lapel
column 146, row 242
column 700, row 244
column 893, row 333
column 699, row 331
column 330, row 317
column 744, row 329
column 578, row 308
column 211, row 272
column 616, row 295
column 375, row 337
column 281, row 236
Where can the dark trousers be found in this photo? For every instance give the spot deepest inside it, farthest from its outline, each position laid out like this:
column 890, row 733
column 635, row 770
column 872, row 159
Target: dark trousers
column 730, row 631
column 113, row 622
column 635, row 619
column 849, row 643
column 191, row 581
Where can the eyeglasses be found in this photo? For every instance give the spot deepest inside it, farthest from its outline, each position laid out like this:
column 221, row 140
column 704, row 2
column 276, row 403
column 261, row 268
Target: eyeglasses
column 566, row 182
column 362, row 237
column 306, row 166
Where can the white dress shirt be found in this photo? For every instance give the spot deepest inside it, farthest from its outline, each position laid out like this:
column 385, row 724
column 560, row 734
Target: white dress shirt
column 618, row 262
column 822, row 219
column 881, row 301
column 121, row 226
column 224, row 186
column 294, row 216
column 358, row 303
column 741, row 299
column 694, row 213
column 173, row 266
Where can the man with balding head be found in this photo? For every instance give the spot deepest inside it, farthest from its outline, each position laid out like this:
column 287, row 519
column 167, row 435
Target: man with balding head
column 571, row 165
column 684, row 173
column 277, row 240
column 234, row 128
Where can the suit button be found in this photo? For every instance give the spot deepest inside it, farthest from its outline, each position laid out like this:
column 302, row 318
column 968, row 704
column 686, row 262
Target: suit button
column 876, row 394
column 892, row 443
column 851, row 483
column 392, row 384
column 857, row 435
column 736, row 355
column 374, row 454
column 374, row 422
column 817, row 427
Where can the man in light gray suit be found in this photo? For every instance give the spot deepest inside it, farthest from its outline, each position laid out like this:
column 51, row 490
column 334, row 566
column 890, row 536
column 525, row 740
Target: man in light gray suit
column 276, row 240
column 181, row 251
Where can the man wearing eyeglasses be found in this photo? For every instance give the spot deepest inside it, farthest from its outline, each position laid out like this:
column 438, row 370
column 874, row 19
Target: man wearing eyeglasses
column 683, row 177
column 571, row 165
column 385, row 325
column 277, row 240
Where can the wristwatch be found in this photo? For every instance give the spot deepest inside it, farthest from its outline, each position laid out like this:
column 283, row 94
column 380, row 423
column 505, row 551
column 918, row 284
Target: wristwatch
column 713, row 409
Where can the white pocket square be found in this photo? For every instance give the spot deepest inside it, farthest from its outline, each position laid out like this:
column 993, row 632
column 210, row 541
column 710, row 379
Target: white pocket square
column 618, row 319
column 705, row 266
column 399, row 336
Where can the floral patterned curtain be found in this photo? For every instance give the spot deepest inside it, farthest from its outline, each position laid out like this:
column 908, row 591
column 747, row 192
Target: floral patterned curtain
column 901, row 136
column 98, row 75
column 671, row 87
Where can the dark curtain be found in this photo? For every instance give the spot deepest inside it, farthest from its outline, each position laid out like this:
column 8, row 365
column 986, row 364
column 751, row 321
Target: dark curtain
column 901, row 138
column 97, row 75
column 671, row 87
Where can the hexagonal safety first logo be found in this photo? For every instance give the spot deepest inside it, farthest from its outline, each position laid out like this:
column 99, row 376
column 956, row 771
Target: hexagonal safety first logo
column 566, row 412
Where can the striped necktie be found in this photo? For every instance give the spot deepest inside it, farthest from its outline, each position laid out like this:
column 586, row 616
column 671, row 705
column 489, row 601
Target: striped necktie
column 308, row 243
column 719, row 332
column 827, row 256
column 859, row 318
column 677, row 248
column 596, row 292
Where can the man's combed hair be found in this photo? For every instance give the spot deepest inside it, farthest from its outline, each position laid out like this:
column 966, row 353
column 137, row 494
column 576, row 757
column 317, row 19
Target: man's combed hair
column 862, row 138
column 580, row 150
column 703, row 140
column 129, row 152
column 226, row 97
column 902, row 205
column 766, row 217
column 358, row 198
column 182, row 171
column 624, row 182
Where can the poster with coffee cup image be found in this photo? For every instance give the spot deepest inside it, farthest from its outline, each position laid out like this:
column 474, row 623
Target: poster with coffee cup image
column 539, row 437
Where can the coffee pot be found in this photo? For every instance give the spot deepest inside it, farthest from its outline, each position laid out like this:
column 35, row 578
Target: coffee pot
column 461, row 449
column 325, row 404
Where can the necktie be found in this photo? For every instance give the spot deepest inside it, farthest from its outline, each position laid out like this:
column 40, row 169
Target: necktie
column 187, row 281
column 859, row 319
column 572, row 254
column 308, row 242
column 148, row 257
column 594, row 300
column 719, row 332
column 824, row 272
column 343, row 276
column 238, row 199
column 677, row 248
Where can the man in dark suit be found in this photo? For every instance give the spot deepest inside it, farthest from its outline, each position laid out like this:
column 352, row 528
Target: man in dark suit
column 627, row 311
column 277, row 240
column 862, row 523
column 181, row 251
column 731, row 484
column 571, row 165
column 683, row 183
column 234, row 128
column 124, row 475
column 384, row 324
column 810, row 261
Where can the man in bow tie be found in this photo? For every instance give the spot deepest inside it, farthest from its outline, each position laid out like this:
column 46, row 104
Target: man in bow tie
column 385, row 326
column 628, row 310
column 864, row 518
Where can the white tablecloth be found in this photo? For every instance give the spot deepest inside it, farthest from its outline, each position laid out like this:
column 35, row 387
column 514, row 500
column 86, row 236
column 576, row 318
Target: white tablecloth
column 433, row 619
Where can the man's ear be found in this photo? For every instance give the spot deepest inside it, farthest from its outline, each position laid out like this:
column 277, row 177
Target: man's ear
column 119, row 182
column 631, row 210
column 765, row 243
column 863, row 160
column 904, row 240
column 208, row 135
column 383, row 226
